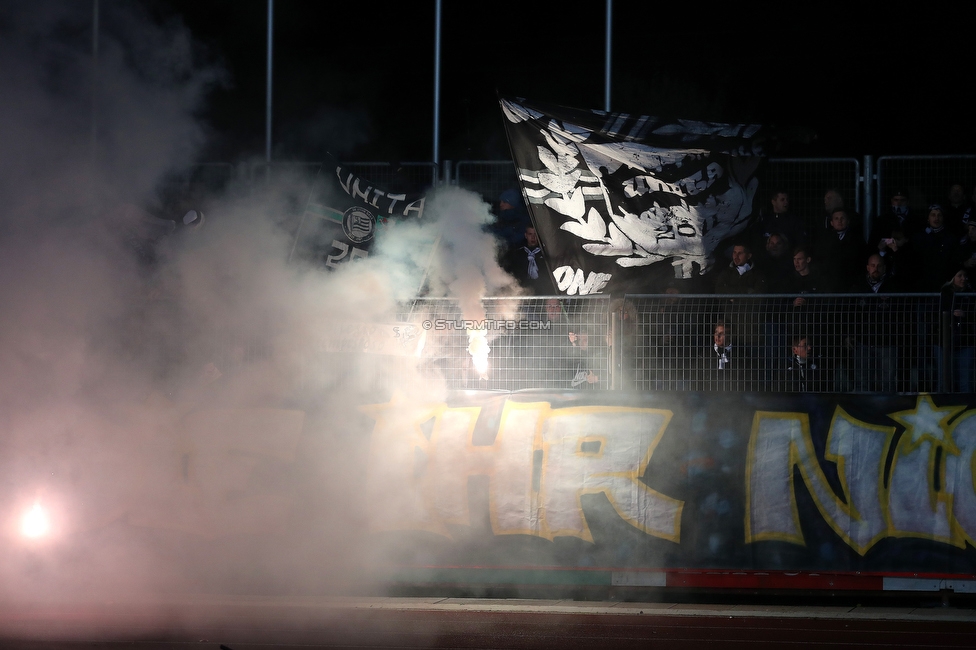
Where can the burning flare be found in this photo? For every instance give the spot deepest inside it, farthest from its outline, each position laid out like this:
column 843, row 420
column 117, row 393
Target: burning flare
column 35, row 522
column 478, row 349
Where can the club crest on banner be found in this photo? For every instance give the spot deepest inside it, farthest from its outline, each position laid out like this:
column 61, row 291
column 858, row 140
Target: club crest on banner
column 358, row 224
column 343, row 215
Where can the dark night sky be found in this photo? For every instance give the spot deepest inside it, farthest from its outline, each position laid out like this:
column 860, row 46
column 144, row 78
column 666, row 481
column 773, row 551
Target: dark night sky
column 356, row 79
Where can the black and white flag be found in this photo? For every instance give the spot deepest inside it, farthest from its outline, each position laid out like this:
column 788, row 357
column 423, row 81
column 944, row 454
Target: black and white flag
column 611, row 193
column 344, row 214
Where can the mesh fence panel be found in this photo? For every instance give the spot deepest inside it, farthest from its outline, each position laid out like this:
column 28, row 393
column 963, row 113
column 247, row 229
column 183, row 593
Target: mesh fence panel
column 926, row 179
column 398, row 177
column 489, row 178
column 406, row 177
column 853, row 344
column 961, row 330
column 857, row 343
column 555, row 343
column 806, row 180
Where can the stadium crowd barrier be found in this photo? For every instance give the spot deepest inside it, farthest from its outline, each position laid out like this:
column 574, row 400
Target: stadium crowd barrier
column 895, row 343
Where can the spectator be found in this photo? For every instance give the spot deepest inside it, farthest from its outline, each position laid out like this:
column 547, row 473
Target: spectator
column 896, row 249
column 832, row 201
column 779, row 220
column 893, row 230
column 527, row 264
column 721, row 354
column 871, row 331
column 802, row 371
column 588, row 362
column 897, row 218
column 511, row 220
column 721, row 366
column 740, row 277
column 876, row 278
column 806, row 277
column 840, row 249
column 955, row 208
column 776, row 264
column 934, row 252
column 966, row 251
column 963, row 342
column 970, row 213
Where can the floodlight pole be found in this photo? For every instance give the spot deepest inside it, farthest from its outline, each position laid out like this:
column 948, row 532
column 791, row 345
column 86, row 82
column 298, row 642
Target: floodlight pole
column 267, row 98
column 437, row 81
column 94, row 85
column 606, row 72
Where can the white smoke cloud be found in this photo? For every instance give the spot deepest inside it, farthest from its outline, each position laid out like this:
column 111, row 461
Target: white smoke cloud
column 166, row 391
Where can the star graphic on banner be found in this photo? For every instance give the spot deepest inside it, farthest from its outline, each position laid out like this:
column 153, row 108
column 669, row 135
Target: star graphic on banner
column 928, row 421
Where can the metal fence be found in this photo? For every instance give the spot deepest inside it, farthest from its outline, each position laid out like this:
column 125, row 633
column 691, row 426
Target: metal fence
column 806, row 180
column 554, row 343
column 827, row 343
column 398, row 177
column 406, row 176
column 489, row 178
column 925, row 179
column 824, row 343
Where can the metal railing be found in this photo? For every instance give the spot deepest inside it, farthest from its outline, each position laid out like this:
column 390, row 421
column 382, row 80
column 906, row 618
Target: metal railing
column 813, row 343
column 925, row 179
column 887, row 343
column 554, row 343
column 489, row 178
column 806, row 180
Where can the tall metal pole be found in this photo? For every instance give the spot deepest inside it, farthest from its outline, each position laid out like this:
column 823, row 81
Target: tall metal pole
column 606, row 72
column 94, row 86
column 437, row 82
column 868, row 185
column 267, row 99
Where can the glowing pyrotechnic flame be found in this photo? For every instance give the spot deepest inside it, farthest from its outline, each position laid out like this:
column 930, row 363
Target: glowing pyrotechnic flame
column 35, row 522
column 478, row 349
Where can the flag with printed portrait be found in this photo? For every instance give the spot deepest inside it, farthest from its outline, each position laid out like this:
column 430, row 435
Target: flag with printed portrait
column 611, row 194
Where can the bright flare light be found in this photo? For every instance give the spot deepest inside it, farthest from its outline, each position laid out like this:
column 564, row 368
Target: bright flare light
column 478, row 349
column 35, row 522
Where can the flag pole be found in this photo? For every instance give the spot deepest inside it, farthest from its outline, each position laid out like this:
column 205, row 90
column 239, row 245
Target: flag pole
column 609, row 44
column 437, row 83
column 268, row 85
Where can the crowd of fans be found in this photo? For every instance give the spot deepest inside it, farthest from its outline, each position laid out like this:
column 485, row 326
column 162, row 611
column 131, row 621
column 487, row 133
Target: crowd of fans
column 848, row 344
column 906, row 250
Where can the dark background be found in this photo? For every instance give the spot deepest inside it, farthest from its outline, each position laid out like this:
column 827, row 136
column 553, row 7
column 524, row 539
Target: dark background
column 356, row 79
